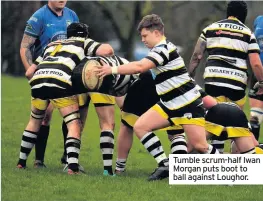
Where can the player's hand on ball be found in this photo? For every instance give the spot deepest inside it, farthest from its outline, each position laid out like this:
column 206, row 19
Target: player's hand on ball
column 103, row 70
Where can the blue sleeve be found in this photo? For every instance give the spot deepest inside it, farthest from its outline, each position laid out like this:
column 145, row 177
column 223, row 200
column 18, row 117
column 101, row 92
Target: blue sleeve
column 256, row 21
column 34, row 24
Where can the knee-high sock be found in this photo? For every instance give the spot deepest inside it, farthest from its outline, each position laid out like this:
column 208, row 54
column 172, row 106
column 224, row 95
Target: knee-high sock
column 107, row 148
column 152, row 143
column 65, row 134
column 41, row 142
column 178, row 145
column 28, row 141
column 73, row 149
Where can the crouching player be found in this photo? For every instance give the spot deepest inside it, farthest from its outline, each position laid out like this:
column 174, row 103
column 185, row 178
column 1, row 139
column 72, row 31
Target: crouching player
column 230, row 118
column 51, row 82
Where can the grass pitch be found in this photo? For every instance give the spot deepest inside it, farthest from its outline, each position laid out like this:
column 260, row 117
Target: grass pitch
column 52, row 184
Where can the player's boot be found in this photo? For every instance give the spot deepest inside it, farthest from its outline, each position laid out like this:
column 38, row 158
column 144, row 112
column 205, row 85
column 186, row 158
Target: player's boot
column 119, row 172
column 107, row 173
column 64, row 159
column 81, row 169
column 159, row 173
column 19, row 166
column 39, row 164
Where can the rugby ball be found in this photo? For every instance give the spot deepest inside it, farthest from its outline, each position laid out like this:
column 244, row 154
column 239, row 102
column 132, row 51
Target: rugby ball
column 90, row 79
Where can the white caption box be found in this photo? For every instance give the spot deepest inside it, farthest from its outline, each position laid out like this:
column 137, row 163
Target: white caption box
column 219, row 169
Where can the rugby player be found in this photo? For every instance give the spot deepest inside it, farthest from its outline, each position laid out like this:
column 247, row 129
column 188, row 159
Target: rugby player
column 229, row 43
column 133, row 107
column 47, row 24
column 180, row 101
column 51, row 82
column 255, row 100
column 104, row 105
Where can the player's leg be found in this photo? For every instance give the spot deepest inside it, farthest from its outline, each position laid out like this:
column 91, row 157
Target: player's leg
column 69, row 110
column 220, row 144
column 40, row 147
column 154, row 119
column 104, row 105
column 30, row 133
column 191, row 118
column 83, row 100
column 124, row 144
column 256, row 108
column 256, row 116
column 178, row 142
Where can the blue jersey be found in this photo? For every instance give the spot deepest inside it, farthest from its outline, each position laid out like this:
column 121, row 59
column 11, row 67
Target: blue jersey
column 258, row 27
column 47, row 26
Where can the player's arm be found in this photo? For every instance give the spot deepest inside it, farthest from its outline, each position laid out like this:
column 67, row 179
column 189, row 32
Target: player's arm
column 126, row 69
column 93, row 48
column 197, row 55
column 105, row 50
column 31, row 70
column 254, row 58
column 25, row 53
column 256, row 65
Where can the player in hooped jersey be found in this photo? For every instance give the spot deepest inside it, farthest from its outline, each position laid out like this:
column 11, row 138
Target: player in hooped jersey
column 229, row 44
column 180, row 101
column 47, row 24
column 51, row 82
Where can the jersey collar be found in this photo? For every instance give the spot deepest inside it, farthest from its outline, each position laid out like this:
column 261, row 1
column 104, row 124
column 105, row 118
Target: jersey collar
column 232, row 18
column 162, row 42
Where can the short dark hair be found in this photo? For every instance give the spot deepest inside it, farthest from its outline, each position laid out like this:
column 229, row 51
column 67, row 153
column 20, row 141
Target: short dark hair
column 237, row 9
column 151, row 22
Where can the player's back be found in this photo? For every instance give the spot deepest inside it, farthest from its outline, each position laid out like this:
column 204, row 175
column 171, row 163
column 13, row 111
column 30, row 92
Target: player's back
column 57, row 63
column 228, row 43
column 65, row 54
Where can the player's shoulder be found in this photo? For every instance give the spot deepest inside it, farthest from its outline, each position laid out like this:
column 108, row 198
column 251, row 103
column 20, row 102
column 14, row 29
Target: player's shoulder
column 258, row 20
column 38, row 14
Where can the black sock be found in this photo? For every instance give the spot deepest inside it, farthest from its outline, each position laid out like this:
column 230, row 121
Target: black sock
column 65, row 134
column 28, row 141
column 107, row 148
column 73, row 149
column 42, row 142
column 255, row 128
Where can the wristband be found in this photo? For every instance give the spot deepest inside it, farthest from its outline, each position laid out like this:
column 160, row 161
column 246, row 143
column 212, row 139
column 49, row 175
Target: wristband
column 114, row 70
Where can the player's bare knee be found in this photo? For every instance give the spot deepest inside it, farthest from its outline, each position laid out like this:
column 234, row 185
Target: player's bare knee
column 140, row 129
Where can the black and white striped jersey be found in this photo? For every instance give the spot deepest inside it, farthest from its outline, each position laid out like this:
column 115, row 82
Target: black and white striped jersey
column 228, row 43
column 58, row 60
column 173, row 83
column 120, row 83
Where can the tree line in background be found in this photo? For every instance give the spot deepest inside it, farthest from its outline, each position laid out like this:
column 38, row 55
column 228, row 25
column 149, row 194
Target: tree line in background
column 116, row 23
